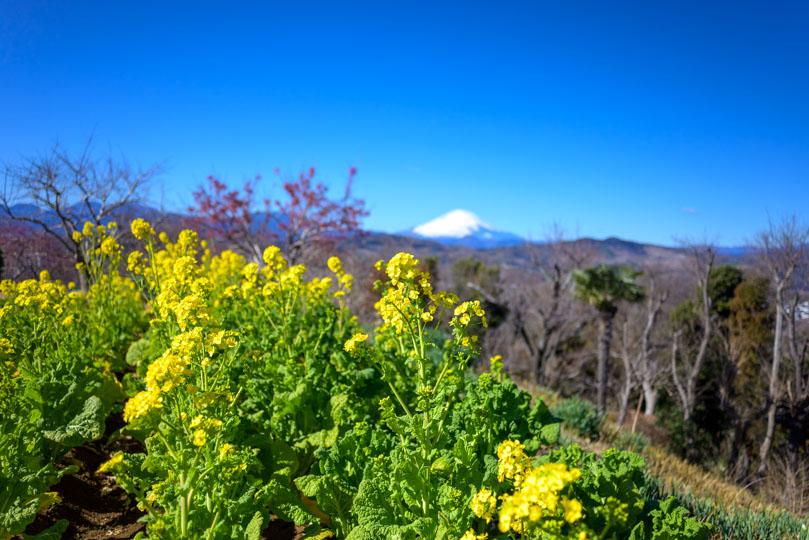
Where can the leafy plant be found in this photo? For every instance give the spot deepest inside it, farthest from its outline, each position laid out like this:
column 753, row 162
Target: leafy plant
column 581, row 416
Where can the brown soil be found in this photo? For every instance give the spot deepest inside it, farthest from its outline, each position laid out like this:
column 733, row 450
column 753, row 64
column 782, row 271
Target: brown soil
column 282, row 530
column 647, row 425
column 94, row 505
column 97, row 507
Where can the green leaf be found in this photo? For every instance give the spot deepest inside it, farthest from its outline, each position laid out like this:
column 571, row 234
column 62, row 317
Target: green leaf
column 54, row 532
column 88, row 425
column 254, row 528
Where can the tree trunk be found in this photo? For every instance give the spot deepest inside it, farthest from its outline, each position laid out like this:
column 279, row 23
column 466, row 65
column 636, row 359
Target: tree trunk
column 81, row 273
column 648, row 371
column 649, row 398
column 735, row 469
column 794, row 444
column 626, row 391
column 605, row 317
column 772, row 398
column 690, row 404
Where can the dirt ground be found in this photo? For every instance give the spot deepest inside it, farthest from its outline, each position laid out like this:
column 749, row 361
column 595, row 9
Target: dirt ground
column 92, row 502
column 96, row 507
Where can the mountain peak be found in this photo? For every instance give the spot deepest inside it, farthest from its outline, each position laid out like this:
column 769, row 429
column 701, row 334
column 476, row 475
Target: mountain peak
column 462, row 227
column 455, row 224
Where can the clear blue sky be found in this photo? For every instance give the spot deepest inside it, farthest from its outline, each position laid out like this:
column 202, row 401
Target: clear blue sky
column 644, row 120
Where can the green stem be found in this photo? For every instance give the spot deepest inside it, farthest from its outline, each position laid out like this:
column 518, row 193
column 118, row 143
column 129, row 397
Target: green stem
column 166, row 443
column 213, row 524
column 183, row 512
column 441, row 376
column 401, row 401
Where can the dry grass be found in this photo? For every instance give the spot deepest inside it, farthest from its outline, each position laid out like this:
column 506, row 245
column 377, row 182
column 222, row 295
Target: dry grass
column 675, row 474
column 777, row 509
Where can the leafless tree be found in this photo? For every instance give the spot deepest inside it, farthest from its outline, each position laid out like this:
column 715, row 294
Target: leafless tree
column 782, row 249
column 67, row 190
column 545, row 324
column 629, row 361
column 639, row 353
column 685, row 370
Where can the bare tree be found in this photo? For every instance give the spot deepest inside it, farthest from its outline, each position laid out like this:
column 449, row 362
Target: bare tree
column 62, row 191
column 781, row 250
column 650, row 369
column 798, row 390
column 546, row 324
column 629, row 361
column 639, row 354
column 685, row 370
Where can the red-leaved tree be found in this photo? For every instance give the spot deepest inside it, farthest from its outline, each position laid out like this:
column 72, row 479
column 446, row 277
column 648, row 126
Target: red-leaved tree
column 307, row 217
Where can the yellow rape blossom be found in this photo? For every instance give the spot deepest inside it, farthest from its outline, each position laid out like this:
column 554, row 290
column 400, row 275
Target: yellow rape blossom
column 203, row 427
column 200, row 436
column 335, row 265
column 274, row 259
column 351, row 344
column 484, row 504
column 537, row 498
column 225, row 450
column 572, row 509
column 512, row 461
column 402, row 266
column 141, row 403
column 110, row 247
column 464, row 312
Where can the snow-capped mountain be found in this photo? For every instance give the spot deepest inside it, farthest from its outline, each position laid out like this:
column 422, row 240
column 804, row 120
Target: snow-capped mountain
column 461, row 227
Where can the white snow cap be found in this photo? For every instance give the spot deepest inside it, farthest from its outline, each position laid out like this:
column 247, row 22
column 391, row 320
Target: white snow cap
column 454, row 224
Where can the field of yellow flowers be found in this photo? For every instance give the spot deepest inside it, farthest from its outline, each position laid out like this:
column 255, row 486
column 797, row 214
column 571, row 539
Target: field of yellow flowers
column 255, row 392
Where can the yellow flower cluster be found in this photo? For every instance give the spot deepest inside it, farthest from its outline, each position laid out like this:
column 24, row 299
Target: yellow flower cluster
column 135, row 263
column 142, row 403
column 180, row 288
column 484, row 503
column 536, row 494
column 346, row 281
column 274, row 259
column 317, row 288
column 202, row 427
column 409, row 301
column 98, row 245
column 496, row 364
column 225, row 450
column 174, row 277
column 470, row 535
column 351, row 344
column 6, row 347
column 175, row 365
column 225, row 269
column 46, row 297
column 464, row 312
column 402, row 266
column 142, row 230
column 512, row 462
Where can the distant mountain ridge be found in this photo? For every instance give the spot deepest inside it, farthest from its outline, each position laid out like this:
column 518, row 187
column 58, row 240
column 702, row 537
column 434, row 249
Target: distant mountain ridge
column 452, row 234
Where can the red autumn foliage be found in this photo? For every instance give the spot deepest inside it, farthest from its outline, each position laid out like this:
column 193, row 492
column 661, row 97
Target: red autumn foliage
column 306, row 217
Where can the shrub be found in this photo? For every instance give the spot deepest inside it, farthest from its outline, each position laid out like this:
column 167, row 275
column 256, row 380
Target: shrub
column 580, row 415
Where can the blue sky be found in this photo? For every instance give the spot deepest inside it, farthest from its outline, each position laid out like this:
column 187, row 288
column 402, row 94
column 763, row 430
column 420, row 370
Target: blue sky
column 643, row 120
